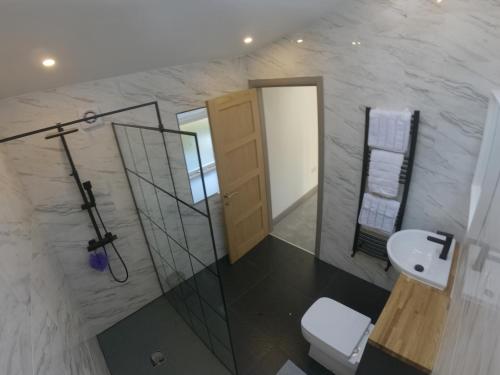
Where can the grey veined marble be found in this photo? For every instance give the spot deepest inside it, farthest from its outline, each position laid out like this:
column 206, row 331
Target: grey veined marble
column 52, row 303
column 44, row 172
column 442, row 59
column 41, row 329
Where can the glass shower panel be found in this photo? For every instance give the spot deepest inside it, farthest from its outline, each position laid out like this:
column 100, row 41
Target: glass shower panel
column 151, row 202
column 209, row 289
column 138, row 150
column 198, row 237
column 178, row 232
column 172, row 219
column 176, row 144
column 158, row 162
column 149, row 232
column 161, row 267
column 121, row 135
column 182, row 261
column 136, row 188
column 163, row 243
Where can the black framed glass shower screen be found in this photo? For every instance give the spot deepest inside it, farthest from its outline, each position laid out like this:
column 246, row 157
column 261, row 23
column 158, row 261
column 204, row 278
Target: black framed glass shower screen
column 178, row 233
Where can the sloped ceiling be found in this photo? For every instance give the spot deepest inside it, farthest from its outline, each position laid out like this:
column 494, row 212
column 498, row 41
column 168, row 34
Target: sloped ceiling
column 94, row 39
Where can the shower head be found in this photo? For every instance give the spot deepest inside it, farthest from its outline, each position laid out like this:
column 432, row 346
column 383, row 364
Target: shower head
column 60, row 133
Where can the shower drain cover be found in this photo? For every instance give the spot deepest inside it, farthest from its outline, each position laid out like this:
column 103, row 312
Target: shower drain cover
column 157, row 359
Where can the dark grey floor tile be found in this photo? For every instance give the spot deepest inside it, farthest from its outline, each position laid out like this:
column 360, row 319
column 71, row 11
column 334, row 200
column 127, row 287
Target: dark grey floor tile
column 156, row 327
column 309, row 275
column 358, row 294
column 270, row 364
column 269, row 299
column 271, row 253
column 270, row 289
column 267, row 293
column 376, row 362
column 239, row 277
column 250, row 344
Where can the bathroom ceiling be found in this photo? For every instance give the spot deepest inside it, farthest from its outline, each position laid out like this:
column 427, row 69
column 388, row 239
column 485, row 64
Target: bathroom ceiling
column 94, row 39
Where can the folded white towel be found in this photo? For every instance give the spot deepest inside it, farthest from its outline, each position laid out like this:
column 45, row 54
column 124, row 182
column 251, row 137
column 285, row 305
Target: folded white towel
column 378, row 213
column 389, row 130
column 384, row 170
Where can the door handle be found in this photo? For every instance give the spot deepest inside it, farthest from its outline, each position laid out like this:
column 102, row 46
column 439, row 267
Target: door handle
column 230, row 195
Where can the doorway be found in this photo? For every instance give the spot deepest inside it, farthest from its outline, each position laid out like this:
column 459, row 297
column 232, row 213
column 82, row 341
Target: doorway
column 237, row 139
column 292, row 121
column 261, row 267
column 269, row 152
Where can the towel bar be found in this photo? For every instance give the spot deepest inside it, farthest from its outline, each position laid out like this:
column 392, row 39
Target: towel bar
column 364, row 240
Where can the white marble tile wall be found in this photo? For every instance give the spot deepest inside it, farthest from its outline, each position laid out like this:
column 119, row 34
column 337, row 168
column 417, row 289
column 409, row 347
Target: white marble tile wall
column 442, row 59
column 44, row 171
column 41, row 329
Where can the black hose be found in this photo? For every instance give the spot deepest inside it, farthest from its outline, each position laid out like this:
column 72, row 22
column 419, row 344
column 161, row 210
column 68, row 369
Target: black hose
column 116, row 251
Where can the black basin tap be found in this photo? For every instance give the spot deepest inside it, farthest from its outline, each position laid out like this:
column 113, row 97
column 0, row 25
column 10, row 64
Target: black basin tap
column 446, row 243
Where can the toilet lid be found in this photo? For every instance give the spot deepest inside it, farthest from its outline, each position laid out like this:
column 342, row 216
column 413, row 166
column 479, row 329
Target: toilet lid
column 337, row 326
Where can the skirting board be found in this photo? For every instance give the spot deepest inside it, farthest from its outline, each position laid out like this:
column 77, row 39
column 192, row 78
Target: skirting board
column 295, row 204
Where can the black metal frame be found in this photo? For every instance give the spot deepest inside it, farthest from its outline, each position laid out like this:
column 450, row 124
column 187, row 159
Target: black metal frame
column 179, row 202
column 368, row 242
column 108, row 237
column 88, row 204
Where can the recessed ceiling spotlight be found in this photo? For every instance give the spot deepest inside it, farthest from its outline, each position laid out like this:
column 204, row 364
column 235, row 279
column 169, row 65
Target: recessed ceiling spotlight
column 248, row 40
column 48, row 62
column 300, row 41
column 356, row 43
column 439, row 1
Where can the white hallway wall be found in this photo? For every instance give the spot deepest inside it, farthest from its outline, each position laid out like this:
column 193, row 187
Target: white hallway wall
column 291, row 120
column 442, row 59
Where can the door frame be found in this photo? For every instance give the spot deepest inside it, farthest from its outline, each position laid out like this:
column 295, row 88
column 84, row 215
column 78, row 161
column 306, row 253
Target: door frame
column 316, row 81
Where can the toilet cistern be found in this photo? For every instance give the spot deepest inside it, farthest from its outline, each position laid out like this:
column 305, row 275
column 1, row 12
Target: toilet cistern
column 337, row 335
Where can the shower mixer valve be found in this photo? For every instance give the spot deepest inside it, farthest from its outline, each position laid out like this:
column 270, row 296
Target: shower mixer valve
column 87, row 185
column 96, row 244
column 90, row 202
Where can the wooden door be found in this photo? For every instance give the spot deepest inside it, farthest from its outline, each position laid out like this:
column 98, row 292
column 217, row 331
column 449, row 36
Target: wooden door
column 237, row 140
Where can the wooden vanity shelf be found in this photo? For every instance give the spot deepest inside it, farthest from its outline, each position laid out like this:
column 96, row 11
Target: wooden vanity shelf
column 411, row 325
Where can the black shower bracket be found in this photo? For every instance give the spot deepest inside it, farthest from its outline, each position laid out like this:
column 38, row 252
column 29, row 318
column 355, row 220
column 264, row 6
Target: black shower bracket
column 96, row 244
column 85, row 189
column 87, row 185
column 89, row 203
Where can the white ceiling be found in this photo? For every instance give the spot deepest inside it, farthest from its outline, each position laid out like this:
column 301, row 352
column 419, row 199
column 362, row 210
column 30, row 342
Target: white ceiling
column 93, row 39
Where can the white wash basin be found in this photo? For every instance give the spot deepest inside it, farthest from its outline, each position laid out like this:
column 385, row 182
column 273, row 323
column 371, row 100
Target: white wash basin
column 409, row 248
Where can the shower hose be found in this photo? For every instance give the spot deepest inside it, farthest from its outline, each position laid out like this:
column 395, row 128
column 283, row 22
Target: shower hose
column 118, row 280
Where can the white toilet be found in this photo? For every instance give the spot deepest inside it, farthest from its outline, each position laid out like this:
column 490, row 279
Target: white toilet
column 338, row 335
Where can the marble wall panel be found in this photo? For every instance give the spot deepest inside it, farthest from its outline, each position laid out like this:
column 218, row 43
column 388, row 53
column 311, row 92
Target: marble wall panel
column 441, row 59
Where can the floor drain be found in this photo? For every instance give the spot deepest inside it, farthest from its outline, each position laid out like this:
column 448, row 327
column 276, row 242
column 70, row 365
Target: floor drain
column 157, row 359
column 419, row 268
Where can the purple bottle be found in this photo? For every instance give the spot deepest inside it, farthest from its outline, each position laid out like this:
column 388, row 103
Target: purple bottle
column 98, row 261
